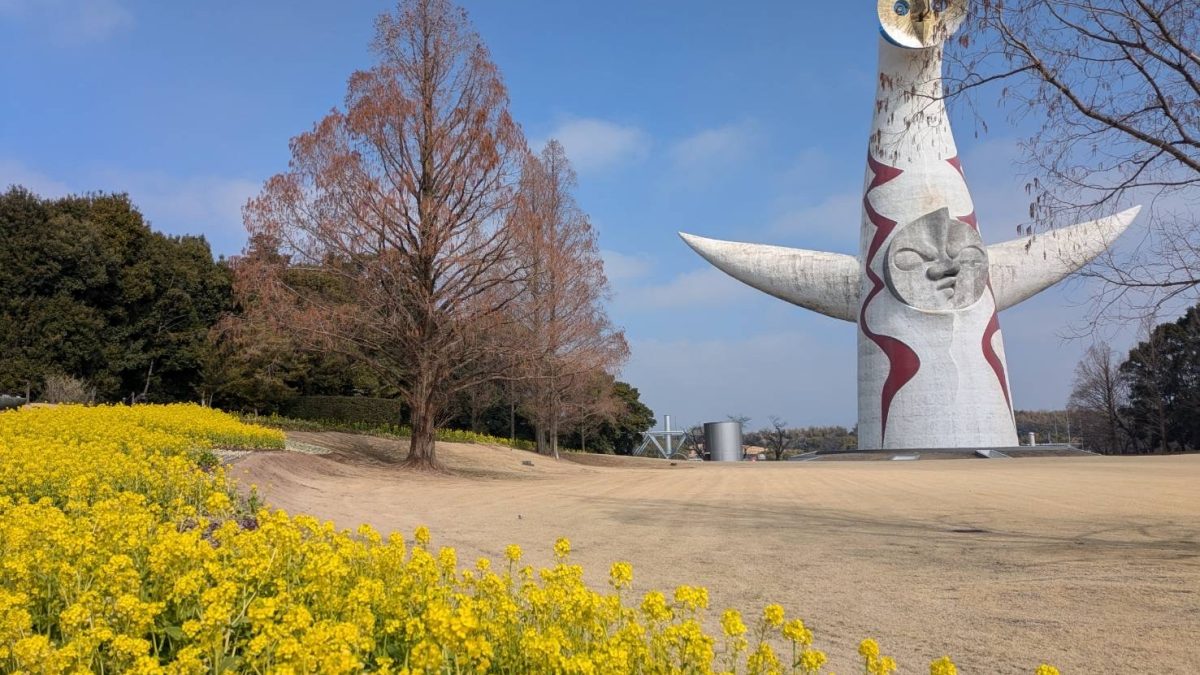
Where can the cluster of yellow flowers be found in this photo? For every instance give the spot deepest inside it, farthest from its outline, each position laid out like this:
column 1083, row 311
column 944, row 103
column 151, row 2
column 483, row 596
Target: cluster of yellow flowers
column 122, row 551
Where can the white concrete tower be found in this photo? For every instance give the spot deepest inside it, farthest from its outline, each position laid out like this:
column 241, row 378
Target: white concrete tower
column 924, row 289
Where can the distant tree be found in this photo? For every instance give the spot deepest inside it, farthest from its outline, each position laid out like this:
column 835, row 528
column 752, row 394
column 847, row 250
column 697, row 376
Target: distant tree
column 393, row 208
column 1047, row 426
column 779, row 439
column 1163, row 373
column 248, row 367
column 1114, row 85
column 562, row 329
column 825, row 439
column 475, row 402
column 1097, row 399
column 623, row 433
column 595, row 406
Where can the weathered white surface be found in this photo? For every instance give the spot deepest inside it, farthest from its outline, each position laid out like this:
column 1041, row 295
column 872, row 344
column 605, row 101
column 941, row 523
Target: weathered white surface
column 1024, row 267
column 823, row 282
column 928, row 377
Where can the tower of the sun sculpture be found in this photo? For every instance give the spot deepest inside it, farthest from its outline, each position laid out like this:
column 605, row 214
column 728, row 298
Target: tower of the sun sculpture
column 924, row 290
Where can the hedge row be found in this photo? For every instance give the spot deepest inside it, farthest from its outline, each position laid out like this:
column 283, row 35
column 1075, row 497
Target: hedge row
column 347, row 409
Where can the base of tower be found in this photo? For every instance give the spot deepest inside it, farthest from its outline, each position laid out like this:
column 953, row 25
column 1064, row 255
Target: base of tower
column 1016, row 452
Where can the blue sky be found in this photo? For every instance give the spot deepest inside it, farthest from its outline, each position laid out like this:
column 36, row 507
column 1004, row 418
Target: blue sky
column 743, row 123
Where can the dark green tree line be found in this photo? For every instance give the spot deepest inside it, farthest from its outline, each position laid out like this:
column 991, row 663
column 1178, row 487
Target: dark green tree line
column 91, row 292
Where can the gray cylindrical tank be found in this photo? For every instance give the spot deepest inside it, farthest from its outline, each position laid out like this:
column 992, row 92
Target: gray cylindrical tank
column 723, row 441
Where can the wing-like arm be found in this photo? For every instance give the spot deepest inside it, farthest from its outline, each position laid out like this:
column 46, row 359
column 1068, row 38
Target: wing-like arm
column 823, row 282
column 1024, row 267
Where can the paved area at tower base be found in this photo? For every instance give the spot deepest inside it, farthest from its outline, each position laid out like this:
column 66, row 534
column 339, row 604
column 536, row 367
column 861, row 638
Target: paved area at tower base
column 1092, row 564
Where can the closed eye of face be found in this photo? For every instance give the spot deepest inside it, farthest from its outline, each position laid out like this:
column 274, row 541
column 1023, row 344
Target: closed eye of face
column 909, row 259
column 971, row 255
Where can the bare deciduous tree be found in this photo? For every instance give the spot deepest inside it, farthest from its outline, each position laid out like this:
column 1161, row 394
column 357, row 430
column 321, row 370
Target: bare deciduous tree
column 1116, row 84
column 595, row 405
column 563, row 327
column 1097, row 399
column 779, row 437
column 390, row 217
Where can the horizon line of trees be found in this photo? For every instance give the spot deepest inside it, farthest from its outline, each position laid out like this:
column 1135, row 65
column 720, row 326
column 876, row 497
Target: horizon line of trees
column 101, row 308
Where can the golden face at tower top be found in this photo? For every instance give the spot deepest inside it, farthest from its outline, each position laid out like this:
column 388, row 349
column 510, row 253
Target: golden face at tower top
column 917, row 24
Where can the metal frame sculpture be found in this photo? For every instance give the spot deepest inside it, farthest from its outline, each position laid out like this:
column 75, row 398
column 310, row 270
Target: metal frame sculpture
column 660, row 442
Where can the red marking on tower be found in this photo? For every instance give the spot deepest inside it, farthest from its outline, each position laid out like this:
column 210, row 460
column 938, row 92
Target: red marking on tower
column 990, row 355
column 882, row 173
column 903, row 362
column 957, row 164
column 971, row 220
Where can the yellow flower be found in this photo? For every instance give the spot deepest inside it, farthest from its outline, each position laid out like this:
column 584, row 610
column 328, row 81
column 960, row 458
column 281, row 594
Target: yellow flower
column 811, row 660
column 620, row 575
column 426, row 655
column 692, row 598
column 943, row 666
column 795, row 631
column 763, row 660
column 868, row 649
column 562, row 548
column 773, row 615
column 654, row 606
column 731, row 623
column 513, row 553
column 127, row 548
column 1046, row 669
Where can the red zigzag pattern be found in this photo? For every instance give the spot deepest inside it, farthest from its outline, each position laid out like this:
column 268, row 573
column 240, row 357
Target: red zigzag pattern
column 989, row 352
column 903, row 362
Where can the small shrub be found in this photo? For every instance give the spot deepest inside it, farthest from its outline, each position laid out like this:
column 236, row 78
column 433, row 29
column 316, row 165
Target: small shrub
column 67, row 389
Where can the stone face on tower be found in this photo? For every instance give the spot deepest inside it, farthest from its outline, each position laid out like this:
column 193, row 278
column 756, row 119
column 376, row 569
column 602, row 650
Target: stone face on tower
column 924, row 289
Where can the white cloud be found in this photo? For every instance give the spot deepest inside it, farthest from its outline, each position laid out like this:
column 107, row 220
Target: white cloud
column 207, row 205
column 838, row 218
column 595, row 144
column 14, row 173
column 71, row 21
column 712, row 149
column 619, row 267
column 707, row 287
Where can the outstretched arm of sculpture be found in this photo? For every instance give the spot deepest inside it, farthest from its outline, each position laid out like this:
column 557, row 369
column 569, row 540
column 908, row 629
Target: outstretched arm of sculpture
column 823, row 282
column 1024, row 267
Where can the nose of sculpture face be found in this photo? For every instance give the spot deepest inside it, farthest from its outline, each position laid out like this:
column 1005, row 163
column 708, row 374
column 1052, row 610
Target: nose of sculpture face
column 943, row 267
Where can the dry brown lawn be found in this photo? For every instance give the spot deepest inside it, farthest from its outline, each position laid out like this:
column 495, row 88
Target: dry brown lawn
column 1092, row 564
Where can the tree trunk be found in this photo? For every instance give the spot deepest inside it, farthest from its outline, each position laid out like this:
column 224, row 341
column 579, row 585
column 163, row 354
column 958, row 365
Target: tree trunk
column 422, row 451
column 539, row 439
column 149, row 374
column 554, row 438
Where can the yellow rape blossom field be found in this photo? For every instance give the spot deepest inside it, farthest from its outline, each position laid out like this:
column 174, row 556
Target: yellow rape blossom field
column 124, row 547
